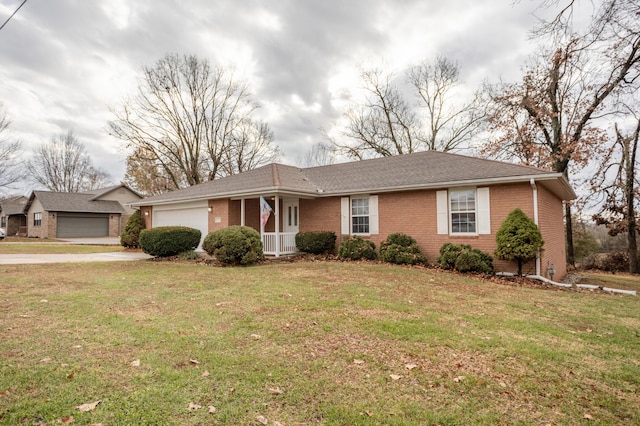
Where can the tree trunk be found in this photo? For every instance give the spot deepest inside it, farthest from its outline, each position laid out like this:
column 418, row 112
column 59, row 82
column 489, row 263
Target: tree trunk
column 569, row 227
column 631, row 215
column 519, row 267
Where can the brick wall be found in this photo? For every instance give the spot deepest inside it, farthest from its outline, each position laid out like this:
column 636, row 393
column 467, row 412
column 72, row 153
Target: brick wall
column 414, row 213
column 551, row 223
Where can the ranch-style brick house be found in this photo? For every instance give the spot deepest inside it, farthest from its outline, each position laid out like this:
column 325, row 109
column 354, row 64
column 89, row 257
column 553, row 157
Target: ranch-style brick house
column 432, row 196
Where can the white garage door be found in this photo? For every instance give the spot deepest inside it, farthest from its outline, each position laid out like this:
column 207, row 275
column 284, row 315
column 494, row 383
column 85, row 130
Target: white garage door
column 194, row 215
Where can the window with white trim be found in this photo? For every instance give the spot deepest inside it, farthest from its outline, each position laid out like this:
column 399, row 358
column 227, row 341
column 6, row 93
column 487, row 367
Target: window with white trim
column 360, row 215
column 3, row 222
column 462, row 208
column 37, row 219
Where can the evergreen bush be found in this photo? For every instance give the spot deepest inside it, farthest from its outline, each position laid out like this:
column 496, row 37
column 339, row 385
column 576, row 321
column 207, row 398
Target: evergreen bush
column 316, row 242
column 357, row 248
column 463, row 258
column 401, row 249
column 130, row 237
column 166, row 241
column 518, row 239
column 235, row 245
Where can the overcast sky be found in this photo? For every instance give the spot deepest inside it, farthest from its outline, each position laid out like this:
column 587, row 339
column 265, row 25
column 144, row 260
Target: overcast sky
column 64, row 63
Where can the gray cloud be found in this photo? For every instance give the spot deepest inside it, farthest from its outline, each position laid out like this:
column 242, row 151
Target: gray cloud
column 64, row 63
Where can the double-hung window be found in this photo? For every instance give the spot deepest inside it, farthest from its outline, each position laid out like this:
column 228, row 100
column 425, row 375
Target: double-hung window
column 360, row 215
column 463, row 211
column 37, row 219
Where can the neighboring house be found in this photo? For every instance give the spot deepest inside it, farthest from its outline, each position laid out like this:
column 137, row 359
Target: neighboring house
column 12, row 217
column 98, row 213
column 432, row 196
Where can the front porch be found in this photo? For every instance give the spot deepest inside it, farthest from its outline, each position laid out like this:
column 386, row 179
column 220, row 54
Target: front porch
column 278, row 222
column 286, row 243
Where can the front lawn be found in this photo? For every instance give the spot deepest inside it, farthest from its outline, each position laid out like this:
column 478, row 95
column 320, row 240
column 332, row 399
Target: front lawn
column 308, row 343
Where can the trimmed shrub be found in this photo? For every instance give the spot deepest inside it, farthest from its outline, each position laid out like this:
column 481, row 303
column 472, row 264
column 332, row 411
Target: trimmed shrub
column 130, row 237
column 166, row 241
column 463, row 258
column 356, row 248
column 474, row 261
column 316, row 242
column 401, row 249
column 449, row 253
column 518, row 239
column 235, row 245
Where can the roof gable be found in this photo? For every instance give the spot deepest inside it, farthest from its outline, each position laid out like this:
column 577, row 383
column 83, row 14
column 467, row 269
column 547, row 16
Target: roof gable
column 74, row 202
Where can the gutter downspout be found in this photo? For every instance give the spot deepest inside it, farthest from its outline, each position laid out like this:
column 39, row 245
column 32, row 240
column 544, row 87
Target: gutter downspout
column 534, row 188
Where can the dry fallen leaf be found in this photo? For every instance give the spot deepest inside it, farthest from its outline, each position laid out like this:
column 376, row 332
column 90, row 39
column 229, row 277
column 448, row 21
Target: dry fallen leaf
column 256, row 336
column 459, row 379
column 194, row 406
column 275, row 391
column 410, row 366
column 358, row 361
column 212, row 409
column 262, row 420
column 194, row 361
column 205, row 373
column 4, row 393
column 395, row 376
column 67, row 420
column 88, row 407
column 135, row 363
column 277, row 423
column 588, row 416
column 45, row 360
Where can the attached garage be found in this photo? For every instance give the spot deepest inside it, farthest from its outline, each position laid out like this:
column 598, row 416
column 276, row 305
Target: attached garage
column 82, row 225
column 193, row 214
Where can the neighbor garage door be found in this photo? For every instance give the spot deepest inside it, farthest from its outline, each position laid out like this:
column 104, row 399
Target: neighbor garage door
column 82, row 225
column 193, row 214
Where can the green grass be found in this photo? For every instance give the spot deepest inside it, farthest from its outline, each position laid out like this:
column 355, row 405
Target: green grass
column 309, row 343
column 621, row 281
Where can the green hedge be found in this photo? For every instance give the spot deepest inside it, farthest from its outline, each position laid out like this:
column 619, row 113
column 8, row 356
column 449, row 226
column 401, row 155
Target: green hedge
column 235, row 245
column 401, row 249
column 356, row 248
column 166, row 241
column 463, row 258
column 130, row 237
column 316, row 242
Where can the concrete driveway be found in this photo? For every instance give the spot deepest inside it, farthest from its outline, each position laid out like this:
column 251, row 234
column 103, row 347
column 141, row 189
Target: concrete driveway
column 116, row 256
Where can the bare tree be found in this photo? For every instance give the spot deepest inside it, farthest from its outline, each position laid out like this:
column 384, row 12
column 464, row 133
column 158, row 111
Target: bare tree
column 63, row 165
column 193, row 121
column 616, row 187
column 384, row 125
column 450, row 123
column 320, row 154
column 9, row 151
column 551, row 117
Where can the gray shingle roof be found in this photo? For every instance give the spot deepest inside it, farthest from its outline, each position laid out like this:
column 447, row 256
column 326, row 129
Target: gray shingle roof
column 428, row 169
column 76, row 202
column 13, row 206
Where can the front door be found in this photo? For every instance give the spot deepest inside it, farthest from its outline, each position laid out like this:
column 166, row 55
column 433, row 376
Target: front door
column 291, row 214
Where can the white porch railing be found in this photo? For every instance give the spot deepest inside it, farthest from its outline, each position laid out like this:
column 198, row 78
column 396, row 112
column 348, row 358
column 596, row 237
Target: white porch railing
column 287, row 243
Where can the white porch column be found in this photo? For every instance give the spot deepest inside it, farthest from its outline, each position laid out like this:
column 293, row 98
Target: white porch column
column 277, row 225
column 242, row 212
